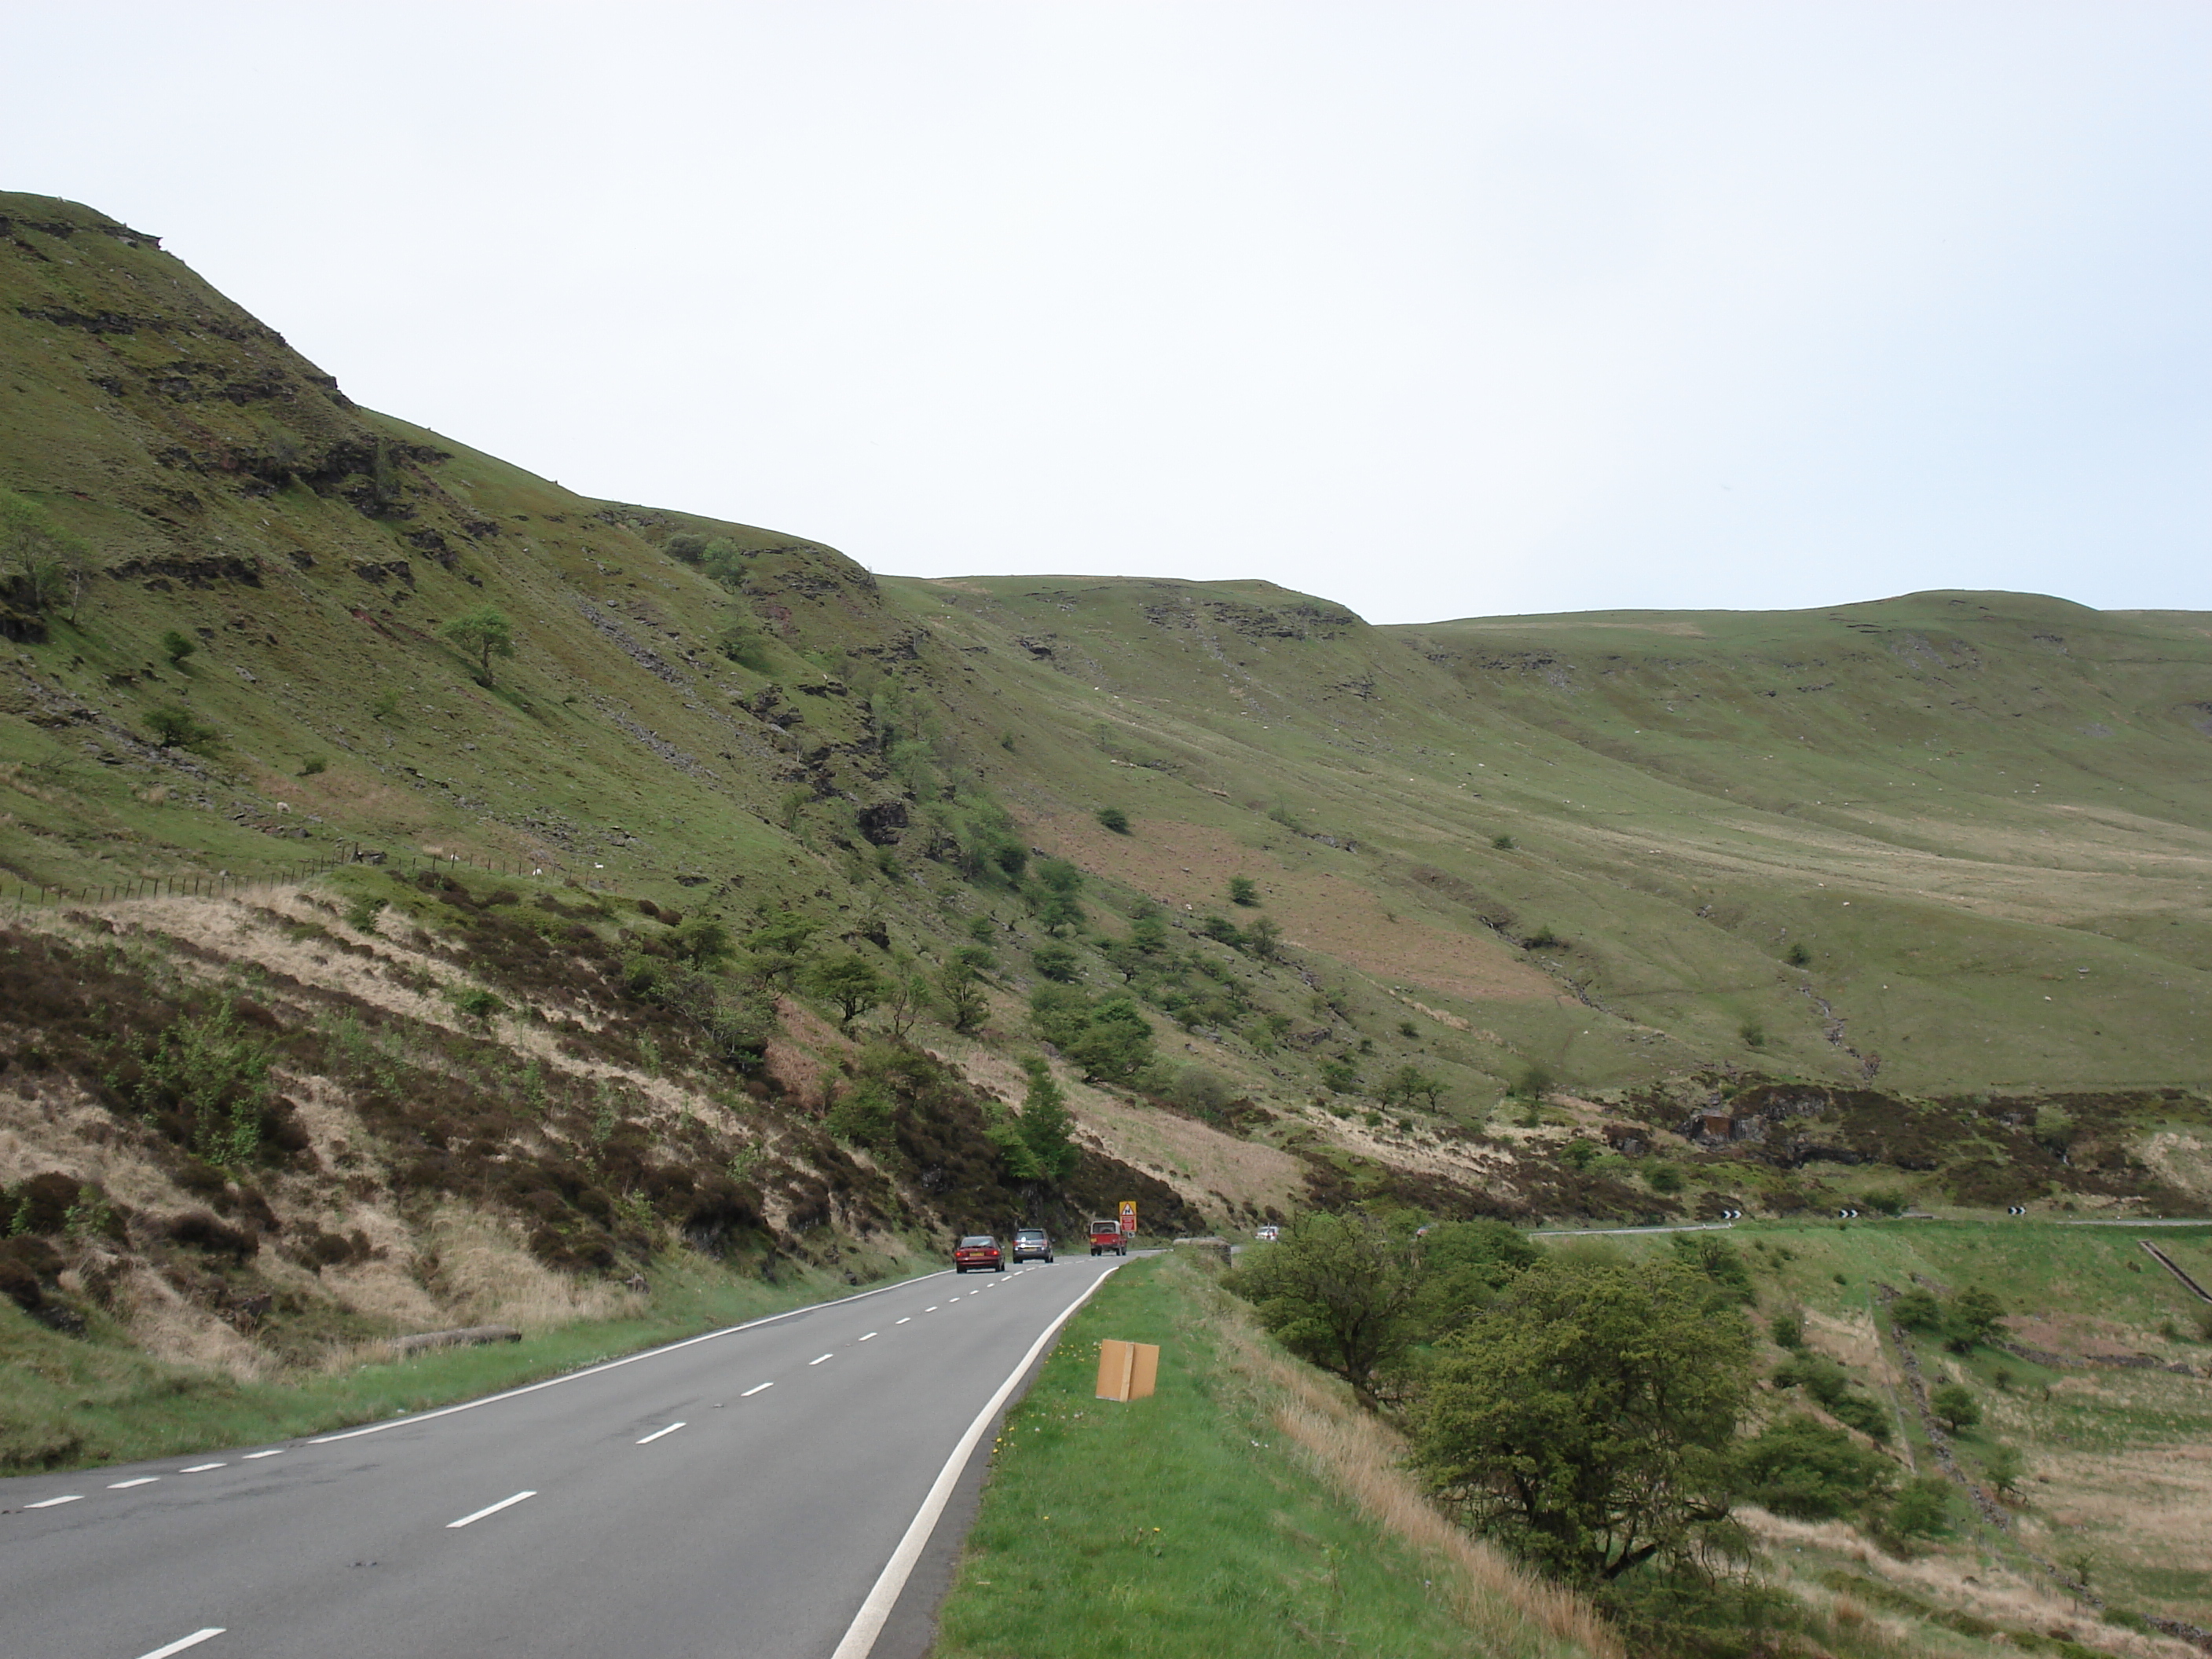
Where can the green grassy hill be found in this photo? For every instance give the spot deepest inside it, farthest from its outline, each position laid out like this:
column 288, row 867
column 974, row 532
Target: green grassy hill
column 1931, row 863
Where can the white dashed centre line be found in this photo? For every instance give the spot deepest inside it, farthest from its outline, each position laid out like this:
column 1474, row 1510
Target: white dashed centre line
column 755, row 1389
column 200, row 1468
column 274, row 1451
column 869, row 1337
column 818, row 1359
column 48, row 1504
column 184, row 1642
column 125, row 1485
column 656, row 1433
column 908, row 1320
column 930, row 1310
column 489, row 1509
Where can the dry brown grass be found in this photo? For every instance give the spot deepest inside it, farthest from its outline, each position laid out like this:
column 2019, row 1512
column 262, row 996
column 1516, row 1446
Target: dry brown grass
column 1363, row 1459
column 1188, row 867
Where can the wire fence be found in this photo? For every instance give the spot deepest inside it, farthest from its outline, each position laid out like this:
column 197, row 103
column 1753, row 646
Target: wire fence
column 226, row 884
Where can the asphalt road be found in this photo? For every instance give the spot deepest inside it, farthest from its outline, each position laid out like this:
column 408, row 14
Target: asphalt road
column 738, row 1495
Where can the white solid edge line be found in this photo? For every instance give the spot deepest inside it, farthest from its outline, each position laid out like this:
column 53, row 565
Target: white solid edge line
column 489, row 1509
column 49, row 1503
column 755, row 1389
column 614, row 1364
column 656, row 1433
column 184, row 1642
column 875, row 1612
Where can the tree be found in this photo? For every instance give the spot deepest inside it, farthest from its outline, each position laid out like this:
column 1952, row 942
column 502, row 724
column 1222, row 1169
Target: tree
column 1408, row 1083
column 1047, row 1126
column 774, row 953
column 1921, row 1508
column 864, row 1115
column 1263, row 938
column 176, row 646
column 484, row 632
column 42, row 560
column 1970, row 1321
column 907, row 1001
column 1114, row 819
column 2004, row 1468
column 851, row 982
column 701, row 941
column 961, row 987
column 1587, row 1419
column 175, row 728
column 1115, row 1044
column 1954, row 1407
column 1334, row 1289
column 1243, row 889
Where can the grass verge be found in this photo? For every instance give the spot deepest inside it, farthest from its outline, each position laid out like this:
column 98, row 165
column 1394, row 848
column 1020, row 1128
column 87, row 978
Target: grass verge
column 1245, row 1508
column 74, row 1403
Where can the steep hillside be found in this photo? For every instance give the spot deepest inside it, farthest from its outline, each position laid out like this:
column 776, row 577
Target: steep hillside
column 1288, row 902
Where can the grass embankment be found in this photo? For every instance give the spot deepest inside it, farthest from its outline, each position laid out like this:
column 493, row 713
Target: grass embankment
column 74, row 1403
column 1246, row 1508
column 2115, row 1494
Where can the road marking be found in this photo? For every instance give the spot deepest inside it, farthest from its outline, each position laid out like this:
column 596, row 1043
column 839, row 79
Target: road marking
column 125, row 1485
column 818, row 1360
column 200, row 1468
column 504, row 1503
column 184, row 1642
column 929, row 1310
column 274, row 1451
column 617, row 1365
column 48, row 1504
column 755, row 1389
column 656, row 1433
column 869, row 1337
column 868, row 1624
column 908, row 1320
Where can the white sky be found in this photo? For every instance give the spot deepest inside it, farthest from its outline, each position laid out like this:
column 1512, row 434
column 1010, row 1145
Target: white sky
column 1437, row 310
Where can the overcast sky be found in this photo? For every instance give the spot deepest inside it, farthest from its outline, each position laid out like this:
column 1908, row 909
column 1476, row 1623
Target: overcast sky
column 1437, row 310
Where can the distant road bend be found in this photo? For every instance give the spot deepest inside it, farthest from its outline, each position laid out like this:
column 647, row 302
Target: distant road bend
column 759, row 1492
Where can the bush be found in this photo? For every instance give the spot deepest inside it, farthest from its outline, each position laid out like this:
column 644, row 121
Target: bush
column 474, row 1002
column 1243, row 889
column 1533, row 1082
column 1787, row 1329
column 744, row 645
column 1114, row 819
column 176, row 646
column 1663, row 1177
column 1056, row 962
column 1752, row 1033
column 197, row 1230
column 863, row 1116
column 1917, row 1311
column 1503, row 843
column 1799, row 957
column 1923, row 1508
column 1809, row 1472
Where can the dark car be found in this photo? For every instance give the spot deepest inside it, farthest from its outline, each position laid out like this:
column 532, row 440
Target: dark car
column 978, row 1250
column 1032, row 1245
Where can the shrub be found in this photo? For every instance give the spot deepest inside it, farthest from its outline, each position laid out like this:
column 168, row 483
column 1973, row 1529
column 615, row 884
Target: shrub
column 686, row 545
column 1503, row 843
column 1787, row 1329
column 1243, row 889
column 1338, row 1077
column 1114, row 819
column 1809, row 1472
column 1056, row 962
column 1970, row 1321
column 474, row 1002
column 1917, row 1311
column 1799, row 957
column 313, row 765
column 744, row 645
column 176, row 646
column 1923, row 1508
column 1752, row 1033
column 864, row 1115
column 484, row 633
column 1533, row 1082
column 1221, row 931
column 199, row 1229
column 1542, row 939
column 1663, row 1177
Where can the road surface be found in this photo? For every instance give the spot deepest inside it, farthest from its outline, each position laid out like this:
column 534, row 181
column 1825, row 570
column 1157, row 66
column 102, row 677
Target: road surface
column 739, row 1495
